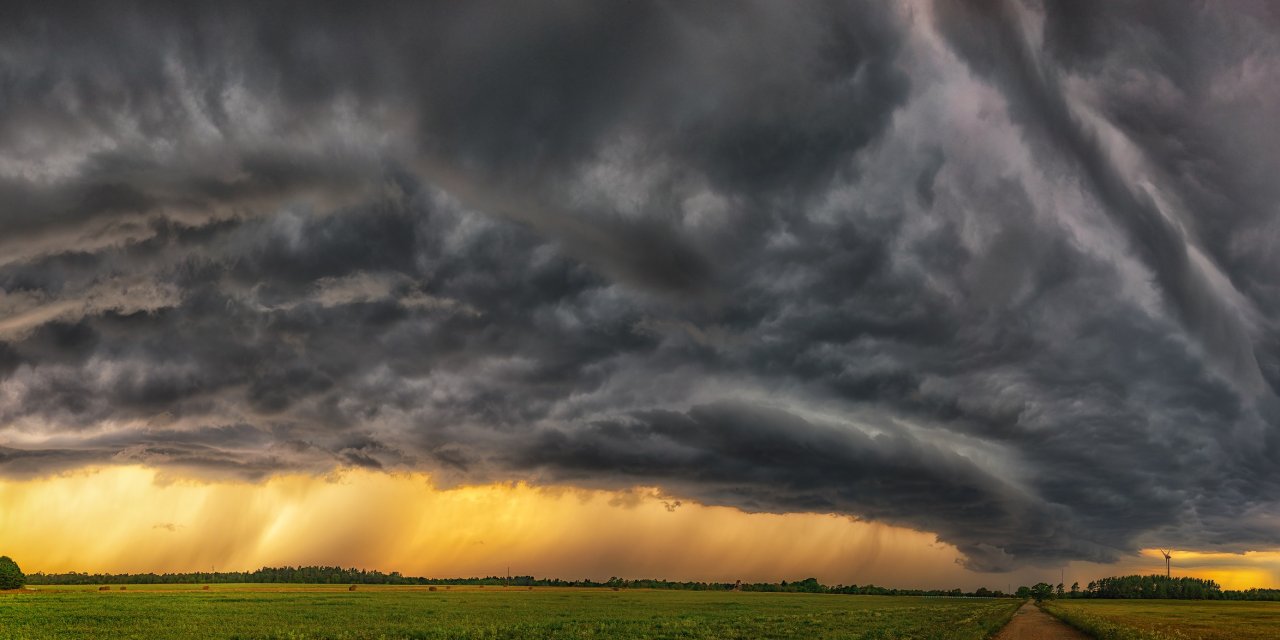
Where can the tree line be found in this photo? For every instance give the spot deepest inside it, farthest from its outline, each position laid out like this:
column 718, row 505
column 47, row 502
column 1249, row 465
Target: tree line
column 341, row 575
column 1162, row 587
column 295, row 575
column 1149, row 587
column 1135, row 586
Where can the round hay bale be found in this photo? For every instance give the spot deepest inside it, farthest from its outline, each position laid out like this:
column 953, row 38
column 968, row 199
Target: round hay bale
column 351, row 588
column 104, row 588
column 431, row 588
column 205, row 588
column 123, row 588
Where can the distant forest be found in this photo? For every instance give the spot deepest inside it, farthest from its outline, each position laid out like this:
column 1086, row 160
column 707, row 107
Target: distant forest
column 1150, row 586
column 1157, row 586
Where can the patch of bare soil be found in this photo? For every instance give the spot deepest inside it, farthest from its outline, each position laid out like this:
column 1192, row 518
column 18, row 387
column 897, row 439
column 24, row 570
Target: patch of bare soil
column 1030, row 623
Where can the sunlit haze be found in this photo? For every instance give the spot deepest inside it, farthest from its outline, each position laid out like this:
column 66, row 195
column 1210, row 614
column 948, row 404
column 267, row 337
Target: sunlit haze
column 134, row 519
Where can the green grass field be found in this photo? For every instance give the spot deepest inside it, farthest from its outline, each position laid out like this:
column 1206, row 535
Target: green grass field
column 1171, row 619
column 157, row 612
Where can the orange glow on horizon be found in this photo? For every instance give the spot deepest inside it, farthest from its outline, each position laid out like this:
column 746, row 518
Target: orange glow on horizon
column 1233, row 571
column 135, row 519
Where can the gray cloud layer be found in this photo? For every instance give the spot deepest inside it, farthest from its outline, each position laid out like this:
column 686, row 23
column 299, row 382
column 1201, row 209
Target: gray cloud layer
column 1000, row 271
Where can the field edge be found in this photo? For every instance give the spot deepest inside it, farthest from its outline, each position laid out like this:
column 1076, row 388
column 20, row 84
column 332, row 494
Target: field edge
column 1098, row 627
column 1004, row 621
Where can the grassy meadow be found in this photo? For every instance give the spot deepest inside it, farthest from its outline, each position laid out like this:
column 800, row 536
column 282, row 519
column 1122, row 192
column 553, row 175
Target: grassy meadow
column 1171, row 619
column 160, row 612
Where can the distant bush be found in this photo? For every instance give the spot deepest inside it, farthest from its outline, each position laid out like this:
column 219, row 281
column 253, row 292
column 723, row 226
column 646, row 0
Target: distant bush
column 11, row 576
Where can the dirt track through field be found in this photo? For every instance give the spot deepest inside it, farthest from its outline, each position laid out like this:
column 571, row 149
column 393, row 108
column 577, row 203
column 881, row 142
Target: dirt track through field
column 1030, row 623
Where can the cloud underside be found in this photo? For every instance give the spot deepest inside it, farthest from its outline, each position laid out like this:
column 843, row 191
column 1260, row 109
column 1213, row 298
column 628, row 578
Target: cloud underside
column 1001, row 272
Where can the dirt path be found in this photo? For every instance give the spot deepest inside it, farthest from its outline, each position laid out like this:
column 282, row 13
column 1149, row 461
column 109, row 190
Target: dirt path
column 1030, row 623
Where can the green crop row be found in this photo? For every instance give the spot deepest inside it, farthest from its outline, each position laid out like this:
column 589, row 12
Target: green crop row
column 246, row 612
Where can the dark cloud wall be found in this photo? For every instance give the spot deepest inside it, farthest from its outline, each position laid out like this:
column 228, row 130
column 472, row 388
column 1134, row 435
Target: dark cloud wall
column 1000, row 271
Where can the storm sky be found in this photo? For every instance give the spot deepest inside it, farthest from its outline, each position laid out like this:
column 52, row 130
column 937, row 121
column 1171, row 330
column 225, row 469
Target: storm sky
column 1001, row 272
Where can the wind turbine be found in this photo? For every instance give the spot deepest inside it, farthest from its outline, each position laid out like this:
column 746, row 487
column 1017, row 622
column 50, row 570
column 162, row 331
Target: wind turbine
column 1166, row 561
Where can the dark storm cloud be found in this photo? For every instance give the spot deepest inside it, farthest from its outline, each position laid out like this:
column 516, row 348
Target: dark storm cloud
column 1003, row 272
column 769, row 460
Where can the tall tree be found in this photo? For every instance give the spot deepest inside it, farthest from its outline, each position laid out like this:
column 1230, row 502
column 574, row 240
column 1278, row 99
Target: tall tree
column 11, row 576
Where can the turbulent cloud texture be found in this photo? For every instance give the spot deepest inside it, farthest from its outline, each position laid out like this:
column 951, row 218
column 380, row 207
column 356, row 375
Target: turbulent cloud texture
column 1001, row 271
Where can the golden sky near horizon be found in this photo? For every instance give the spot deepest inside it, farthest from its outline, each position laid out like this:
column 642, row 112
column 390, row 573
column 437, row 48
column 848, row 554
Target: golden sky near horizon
column 136, row 519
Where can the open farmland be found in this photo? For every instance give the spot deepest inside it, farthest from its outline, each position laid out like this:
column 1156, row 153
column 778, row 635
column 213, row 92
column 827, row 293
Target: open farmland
column 158, row 612
column 1171, row 619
